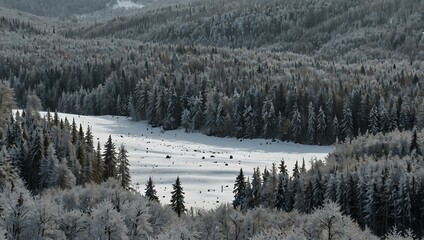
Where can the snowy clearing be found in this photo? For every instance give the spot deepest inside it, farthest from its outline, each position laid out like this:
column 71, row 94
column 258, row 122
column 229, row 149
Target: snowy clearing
column 127, row 4
column 204, row 164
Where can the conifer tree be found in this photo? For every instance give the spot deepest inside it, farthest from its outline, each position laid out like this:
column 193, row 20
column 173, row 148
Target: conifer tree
column 239, row 190
column 347, row 122
column 373, row 127
column 280, row 194
column 109, row 158
column 321, row 126
column 89, row 144
column 283, row 168
column 98, row 166
column 311, row 123
column 296, row 123
column 74, row 132
column 7, row 102
column 151, row 191
column 124, row 170
column 414, row 143
column 36, row 157
column 256, row 187
column 177, row 198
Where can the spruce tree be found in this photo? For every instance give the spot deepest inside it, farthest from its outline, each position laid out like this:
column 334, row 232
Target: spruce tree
column 280, row 194
column 414, row 144
column 109, row 158
column 124, row 170
column 151, row 191
column 373, row 126
column 321, row 126
column 239, row 189
column 177, row 198
column 98, row 166
column 36, row 157
column 296, row 123
column 311, row 123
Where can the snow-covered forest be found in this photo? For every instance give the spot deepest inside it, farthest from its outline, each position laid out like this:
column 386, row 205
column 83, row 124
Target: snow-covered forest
column 340, row 72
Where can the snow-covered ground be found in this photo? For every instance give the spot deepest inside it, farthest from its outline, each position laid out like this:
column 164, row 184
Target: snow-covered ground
column 127, row 4
column 202, row 162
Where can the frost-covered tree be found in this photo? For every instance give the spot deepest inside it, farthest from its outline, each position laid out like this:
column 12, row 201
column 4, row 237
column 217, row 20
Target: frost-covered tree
column 296, row 122
column 98, row 166
column 373, row 126
column 7, row 102
column 150, row 191
column 347, row 121
column 107, row 223
column 239, row 189
column 109, row 158
column 321, row 126
column 136, row 217
column 186, row 120
column 311, row 123
column 123, row 167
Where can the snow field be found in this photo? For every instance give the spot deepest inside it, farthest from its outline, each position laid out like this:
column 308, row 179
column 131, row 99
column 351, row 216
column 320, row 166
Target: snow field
column 127, row 4
column 203, row 163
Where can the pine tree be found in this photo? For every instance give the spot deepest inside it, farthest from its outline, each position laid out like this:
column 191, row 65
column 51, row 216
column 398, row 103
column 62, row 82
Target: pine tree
column 373, row 126
column 420, row 117
column 296, row 123
column 123, row 169
column 109, row 158
column 220, row 118
column 311, row 123
column 296, row 172
column 256, row 187
column 239, row 189
column 98, row 166
column 414, row 143
column 89, row 143
column 36, row 157
column 280, row 194
column 186, row 120
column 7, row 103
column 177, row 198
column 47, row 168
column 197, row 112
column 283, row 168
column 347, row 122
column 151, row 191
column 336, row 128
column 74, row 132
column 249, row 120
column 321, row 126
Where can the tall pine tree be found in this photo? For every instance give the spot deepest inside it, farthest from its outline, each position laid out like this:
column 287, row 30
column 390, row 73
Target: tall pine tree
column 177, row 198
column 109, row 158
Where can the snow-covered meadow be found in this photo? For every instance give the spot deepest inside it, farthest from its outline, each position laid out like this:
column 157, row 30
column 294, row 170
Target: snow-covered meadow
column 207, row 166
column 127, row 4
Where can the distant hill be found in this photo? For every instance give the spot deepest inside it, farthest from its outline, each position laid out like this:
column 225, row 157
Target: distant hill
column 336, row 29
column 65, row 9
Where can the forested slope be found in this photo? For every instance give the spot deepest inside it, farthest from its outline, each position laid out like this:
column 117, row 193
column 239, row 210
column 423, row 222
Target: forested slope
column 219, row 91
column 343, row 72
column 333, row 30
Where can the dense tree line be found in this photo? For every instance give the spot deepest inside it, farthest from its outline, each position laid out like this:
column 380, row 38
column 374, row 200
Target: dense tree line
column 377, row 180
column 59, row 8
column 108, row 211
column 51, row 152
column 352, row 30
column 222, row 92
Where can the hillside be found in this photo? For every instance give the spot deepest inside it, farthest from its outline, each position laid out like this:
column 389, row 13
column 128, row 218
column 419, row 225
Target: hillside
column 222, row 78
column 351, row 31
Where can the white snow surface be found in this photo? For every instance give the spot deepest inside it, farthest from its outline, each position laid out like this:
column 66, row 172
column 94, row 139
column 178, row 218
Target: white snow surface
column 206, row 182
column 127, row 4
